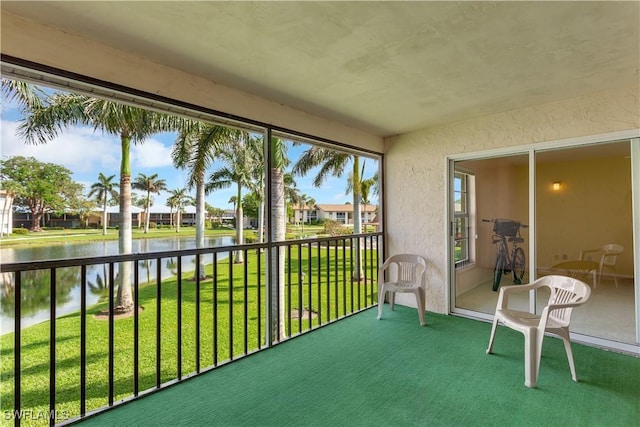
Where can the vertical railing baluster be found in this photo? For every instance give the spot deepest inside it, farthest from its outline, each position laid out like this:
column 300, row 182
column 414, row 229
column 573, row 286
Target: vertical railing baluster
column 52, row 347
column 344, row 275
column 372, row 270
column 246, row 303
column 136, row 328
column 230, row 305
column 112, row 285
column 279, row 331
column 158, row 324
column 300, row 290
column 197, row 273
column 289, row 290
column 357, row 255
column 259, row 296
column 17, row 353
column 364, row 271
column 328, row 283
column 215, row 308
column 310, row 282
column 179, row 320
column 319, row 283
column 83, row 340
column 335, row 279
column 351, row 272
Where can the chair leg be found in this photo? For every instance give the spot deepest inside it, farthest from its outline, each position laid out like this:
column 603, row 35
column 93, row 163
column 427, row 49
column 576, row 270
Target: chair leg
column 381, row 293
column 564, row 334
column 392, row 300
column 420, row 300
column 531, row 357
column 493, row 334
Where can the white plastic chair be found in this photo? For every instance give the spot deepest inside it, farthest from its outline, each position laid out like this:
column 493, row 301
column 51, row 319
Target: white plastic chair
column 608, row 260
column 565, row 294
column 405, row 273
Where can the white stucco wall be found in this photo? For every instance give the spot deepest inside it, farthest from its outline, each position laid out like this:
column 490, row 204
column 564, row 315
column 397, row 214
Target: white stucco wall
column 415, row 167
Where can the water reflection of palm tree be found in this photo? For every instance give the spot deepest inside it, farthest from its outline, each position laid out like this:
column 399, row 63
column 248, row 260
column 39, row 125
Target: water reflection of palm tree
column 172, row 266
column 101, row 286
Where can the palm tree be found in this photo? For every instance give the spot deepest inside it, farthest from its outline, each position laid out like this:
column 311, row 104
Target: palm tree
column 195, row 150
column 29, row 97
column 104, row 190
column 149, row 184
column 178, row 198
column 366, row 185
column 130, row 124
column 279, row 161
column 332, row 162
column 236, row 169
column 256, row 150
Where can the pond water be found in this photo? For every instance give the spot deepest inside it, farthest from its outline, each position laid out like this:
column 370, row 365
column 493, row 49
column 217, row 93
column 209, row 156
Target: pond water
column 35, row 285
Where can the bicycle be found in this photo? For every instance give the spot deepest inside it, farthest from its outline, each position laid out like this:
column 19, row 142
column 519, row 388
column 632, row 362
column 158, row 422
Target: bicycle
column 507, row 231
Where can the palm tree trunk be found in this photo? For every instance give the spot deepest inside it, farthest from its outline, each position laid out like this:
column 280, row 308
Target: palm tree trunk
column 148, row 212
column 124, row 299
column 261, row 222
column 104, row 216
column 200, row 212
column 357, row 218
column 6, row 211
column 239, row 257
column 278, row 230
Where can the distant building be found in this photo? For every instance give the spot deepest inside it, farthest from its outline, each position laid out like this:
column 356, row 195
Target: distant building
column 335, row 212
column 113, row 217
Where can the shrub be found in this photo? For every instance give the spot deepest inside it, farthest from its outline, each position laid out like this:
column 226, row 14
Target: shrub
column 153, row 225
column 20, row 231
column 333, row 228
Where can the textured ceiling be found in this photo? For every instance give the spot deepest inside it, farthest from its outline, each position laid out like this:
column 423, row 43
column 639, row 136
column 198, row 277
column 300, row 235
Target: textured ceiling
column 383, row 67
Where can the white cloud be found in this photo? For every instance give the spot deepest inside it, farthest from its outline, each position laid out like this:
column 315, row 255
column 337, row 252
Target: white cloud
column 79, row 149
column 150, row 154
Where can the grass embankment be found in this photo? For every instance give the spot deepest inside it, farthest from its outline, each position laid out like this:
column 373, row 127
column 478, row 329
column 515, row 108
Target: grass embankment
column 223, row 311
column 50, row 237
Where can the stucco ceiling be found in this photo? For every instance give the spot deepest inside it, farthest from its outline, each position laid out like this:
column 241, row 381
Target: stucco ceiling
column 383, row 67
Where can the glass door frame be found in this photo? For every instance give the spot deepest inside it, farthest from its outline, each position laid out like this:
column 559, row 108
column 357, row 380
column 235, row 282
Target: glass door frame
column 633, row 136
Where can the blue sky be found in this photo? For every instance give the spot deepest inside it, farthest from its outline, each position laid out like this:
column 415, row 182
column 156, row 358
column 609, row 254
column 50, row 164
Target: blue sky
column 87, row 153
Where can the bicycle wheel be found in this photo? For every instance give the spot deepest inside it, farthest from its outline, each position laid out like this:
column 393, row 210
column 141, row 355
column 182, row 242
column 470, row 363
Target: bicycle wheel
column 518, row 266
column 497, row 271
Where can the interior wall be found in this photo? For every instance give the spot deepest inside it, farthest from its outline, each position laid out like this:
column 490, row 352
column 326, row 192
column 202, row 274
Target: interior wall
column 416, row 169
column 595, row 196
column 48, row 46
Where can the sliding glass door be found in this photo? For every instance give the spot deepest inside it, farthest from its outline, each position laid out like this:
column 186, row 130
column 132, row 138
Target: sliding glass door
column 491, row 208
column 554, row 209
column 584, row 228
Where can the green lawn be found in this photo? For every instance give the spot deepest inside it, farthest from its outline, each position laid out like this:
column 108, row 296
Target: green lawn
column 228, row 305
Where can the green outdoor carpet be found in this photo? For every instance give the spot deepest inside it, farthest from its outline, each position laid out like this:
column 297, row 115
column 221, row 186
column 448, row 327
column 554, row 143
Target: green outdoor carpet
column 364, row 372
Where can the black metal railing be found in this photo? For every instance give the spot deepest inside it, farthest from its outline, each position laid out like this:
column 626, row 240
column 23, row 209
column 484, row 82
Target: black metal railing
column 184, row 323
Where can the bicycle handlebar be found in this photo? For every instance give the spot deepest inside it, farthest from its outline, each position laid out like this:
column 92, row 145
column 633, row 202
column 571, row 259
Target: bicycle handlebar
column 493, row 220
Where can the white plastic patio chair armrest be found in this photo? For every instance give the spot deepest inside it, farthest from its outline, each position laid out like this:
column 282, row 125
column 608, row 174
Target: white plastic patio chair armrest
column 503, row 298
column 382, row 268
